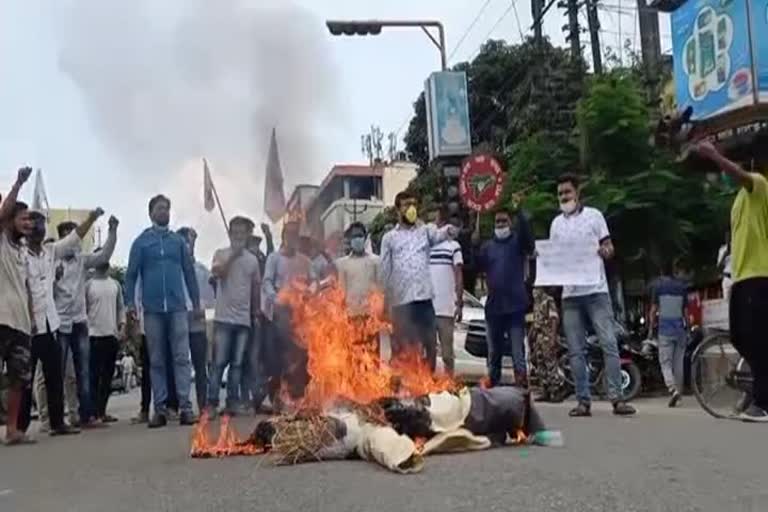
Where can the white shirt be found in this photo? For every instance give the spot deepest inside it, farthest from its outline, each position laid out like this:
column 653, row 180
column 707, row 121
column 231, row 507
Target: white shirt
column 69, row 290
column 443, row 260
column 359, row 277
column 584, row 224
column 41, row 279
column 725, row 260
column 104, row 299
column 14, row 295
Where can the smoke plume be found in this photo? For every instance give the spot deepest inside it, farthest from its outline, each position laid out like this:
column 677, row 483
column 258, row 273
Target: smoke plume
column 166, row 83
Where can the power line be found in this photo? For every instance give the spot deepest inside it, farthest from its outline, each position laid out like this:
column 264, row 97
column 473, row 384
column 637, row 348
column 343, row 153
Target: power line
column 517, row 18
column 469, row 28
column 494, row 27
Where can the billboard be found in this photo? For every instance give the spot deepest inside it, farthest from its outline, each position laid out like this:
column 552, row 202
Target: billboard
column 713, row 58
column 721, row 55
column 447, row 104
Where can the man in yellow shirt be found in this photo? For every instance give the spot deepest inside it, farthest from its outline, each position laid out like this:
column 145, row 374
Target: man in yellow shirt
column 749, row 261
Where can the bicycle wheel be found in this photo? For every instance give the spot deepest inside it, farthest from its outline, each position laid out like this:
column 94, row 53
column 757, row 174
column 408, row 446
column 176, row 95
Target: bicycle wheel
column 714, row 363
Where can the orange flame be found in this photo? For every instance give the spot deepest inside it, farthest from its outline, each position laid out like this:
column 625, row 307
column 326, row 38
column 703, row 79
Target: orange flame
column 344, row 364
column 229, row 442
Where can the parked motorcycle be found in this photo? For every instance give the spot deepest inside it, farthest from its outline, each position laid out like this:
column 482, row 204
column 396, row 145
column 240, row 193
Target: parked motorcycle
column 631, row 376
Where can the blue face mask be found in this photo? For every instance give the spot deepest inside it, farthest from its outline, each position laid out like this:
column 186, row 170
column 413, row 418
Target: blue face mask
column 357, row 244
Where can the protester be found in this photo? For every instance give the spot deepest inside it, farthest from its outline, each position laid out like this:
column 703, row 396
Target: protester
column 543, row 339
column 106, row 324
column 237, row 272
column 161, row 259
column 69, row 294
column 286, row 360
column 503, row 259
column 198, row 338
column 15, row 320
column 446, row 267
column 254, row 245
column 128, row 364
column 724, row 266
column 582, row 224
column 322, row 264
column 406, row 278
column 45, row 347
column 669, row 296
column 749, row 295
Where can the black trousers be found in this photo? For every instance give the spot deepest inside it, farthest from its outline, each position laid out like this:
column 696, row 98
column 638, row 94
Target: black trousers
column 146, row 381
column 748, row 311
column 104, row 351
column 47, row 350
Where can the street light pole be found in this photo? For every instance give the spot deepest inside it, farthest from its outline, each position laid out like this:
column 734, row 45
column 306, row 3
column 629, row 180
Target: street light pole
column 373, row 28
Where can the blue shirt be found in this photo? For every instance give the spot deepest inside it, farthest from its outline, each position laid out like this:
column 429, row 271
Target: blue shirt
column 503, row 262
column 162, row 260
column 670, row 296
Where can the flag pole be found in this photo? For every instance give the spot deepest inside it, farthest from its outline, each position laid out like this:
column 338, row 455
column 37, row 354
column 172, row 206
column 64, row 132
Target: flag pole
column 216, row 197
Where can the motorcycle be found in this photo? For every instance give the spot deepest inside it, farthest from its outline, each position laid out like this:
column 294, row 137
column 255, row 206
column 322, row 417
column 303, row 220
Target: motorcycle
column 631, row 376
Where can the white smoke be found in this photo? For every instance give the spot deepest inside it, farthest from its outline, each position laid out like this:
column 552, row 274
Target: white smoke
column 166, row 83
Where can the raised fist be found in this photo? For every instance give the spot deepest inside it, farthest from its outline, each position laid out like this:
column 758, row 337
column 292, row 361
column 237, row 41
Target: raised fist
column 24, row 174
column 113, row 223
column 97, row 212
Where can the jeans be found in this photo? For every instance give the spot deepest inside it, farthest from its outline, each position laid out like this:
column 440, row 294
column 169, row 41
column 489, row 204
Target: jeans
column 598, row 308
column 499, row 328
column 230, row 343
column 104, row 351
column 168, row 340
column 672, row 359
column 198, row 348
column 77, row 345
column 415, row 325
column 446, row 326
column 254, row 379
column 45, row 349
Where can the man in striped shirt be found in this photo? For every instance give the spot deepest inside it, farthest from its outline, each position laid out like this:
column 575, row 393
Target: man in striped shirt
column 445, row 266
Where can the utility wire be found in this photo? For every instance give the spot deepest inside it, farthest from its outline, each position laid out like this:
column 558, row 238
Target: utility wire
column 469, row 29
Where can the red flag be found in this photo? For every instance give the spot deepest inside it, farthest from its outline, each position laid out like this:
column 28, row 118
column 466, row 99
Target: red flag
column 209, row 200
column 274, row 197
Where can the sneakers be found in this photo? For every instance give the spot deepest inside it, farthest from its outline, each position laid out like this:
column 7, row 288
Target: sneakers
column 158, row 421
column 754, row 414
column 622, row 408
column 64, row 430
column 674, row 400
column 187, row 418
column 583, row 410
column 108, row 418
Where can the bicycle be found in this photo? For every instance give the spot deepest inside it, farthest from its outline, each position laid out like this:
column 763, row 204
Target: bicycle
column 720, row 377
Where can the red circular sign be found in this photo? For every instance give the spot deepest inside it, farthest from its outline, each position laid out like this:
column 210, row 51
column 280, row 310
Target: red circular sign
column 481, row 182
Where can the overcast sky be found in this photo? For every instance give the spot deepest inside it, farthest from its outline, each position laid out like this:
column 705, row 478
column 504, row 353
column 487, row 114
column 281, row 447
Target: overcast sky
column 117, row 101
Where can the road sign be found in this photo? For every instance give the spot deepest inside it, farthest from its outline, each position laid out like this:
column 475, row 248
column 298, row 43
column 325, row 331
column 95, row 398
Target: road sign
column 481, row 182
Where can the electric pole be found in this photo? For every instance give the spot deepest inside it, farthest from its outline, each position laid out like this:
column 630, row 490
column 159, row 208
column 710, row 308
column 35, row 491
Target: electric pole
column 594, row 36
column 573, row 29
column 650, row 44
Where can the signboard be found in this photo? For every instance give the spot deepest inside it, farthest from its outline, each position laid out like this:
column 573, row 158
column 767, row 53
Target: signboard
column 714, row 314
column 758, row 11
column 481, row 182
column 713, row 57
column 448, row 125
column 567, row 263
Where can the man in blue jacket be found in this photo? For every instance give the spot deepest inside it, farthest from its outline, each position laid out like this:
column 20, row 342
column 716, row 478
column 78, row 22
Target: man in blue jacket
column 503, row 260
column 161, row 259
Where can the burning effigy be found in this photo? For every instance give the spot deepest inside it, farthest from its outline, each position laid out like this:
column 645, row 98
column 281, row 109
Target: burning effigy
column 356, row 405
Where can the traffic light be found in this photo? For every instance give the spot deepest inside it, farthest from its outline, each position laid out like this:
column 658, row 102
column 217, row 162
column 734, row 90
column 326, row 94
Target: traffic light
column 359, row 28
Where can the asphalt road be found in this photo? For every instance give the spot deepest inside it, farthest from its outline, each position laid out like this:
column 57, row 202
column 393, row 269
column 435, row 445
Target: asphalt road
column 662, row 460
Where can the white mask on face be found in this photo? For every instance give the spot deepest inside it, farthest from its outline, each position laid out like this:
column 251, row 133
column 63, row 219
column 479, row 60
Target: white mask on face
column 502, row 233
column 568, row 207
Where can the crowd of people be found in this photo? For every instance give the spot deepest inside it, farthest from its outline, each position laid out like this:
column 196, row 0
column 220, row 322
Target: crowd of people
column 61, row 310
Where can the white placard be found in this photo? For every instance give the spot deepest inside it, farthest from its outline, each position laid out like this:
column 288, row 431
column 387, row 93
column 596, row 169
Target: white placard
column 714, row 314
column 567, row 263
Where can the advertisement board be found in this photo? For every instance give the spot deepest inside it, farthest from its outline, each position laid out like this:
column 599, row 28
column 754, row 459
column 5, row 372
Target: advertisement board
column 448, row 114
column 713, row 56
column 758, row 10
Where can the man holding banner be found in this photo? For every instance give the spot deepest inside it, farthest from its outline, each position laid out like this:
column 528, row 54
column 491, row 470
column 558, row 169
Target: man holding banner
column 581, row 226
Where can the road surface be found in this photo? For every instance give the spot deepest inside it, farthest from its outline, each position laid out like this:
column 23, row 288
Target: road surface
column 662, row 460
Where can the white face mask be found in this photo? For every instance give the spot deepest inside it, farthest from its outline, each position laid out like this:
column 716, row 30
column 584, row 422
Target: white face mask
column 502, row 233
column 568, row 207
